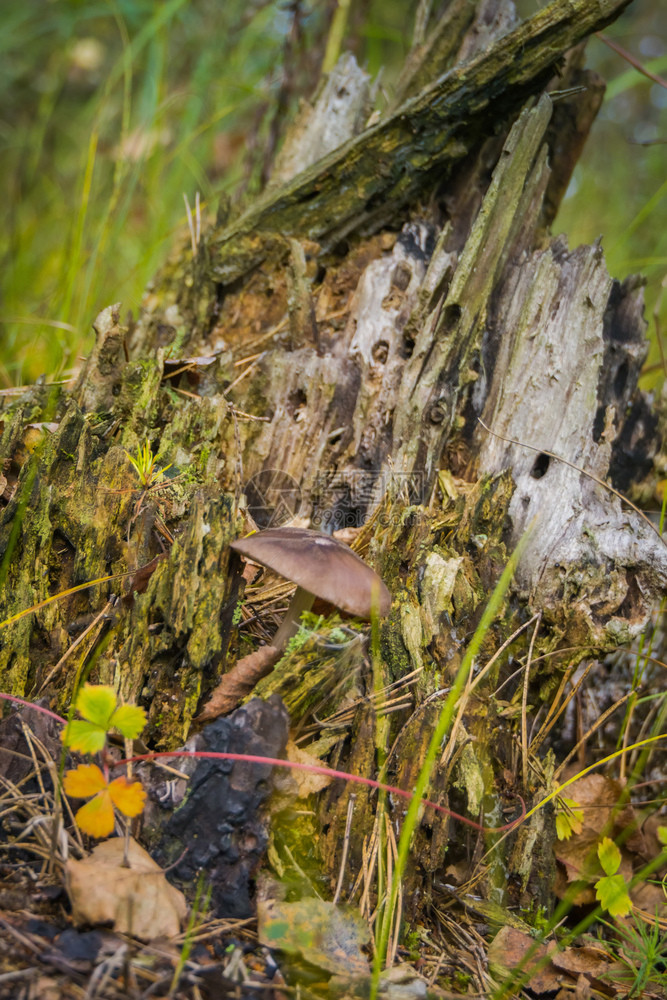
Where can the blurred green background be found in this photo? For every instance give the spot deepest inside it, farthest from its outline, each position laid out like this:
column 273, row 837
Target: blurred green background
column 112, row 110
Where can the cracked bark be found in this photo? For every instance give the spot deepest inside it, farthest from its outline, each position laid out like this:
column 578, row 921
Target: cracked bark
column 384, row 299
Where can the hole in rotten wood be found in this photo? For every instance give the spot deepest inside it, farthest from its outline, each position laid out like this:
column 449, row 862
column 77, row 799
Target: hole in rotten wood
column 296, row 404
column 401, row 276
column 621, row 379
column 307, row 196
column 407, row 347
column 451, row 316
column 540, row 466
column 380, row 352
column 632, row 606
column 340, row 249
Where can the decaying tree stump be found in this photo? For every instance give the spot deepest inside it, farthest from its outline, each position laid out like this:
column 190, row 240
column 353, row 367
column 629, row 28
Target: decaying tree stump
column 346, row 332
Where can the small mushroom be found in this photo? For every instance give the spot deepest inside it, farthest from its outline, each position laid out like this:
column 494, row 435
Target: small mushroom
column 321, row 567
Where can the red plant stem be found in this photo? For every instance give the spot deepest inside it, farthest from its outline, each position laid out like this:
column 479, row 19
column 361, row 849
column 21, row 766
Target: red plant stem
column 30, row 704
column 329, row 773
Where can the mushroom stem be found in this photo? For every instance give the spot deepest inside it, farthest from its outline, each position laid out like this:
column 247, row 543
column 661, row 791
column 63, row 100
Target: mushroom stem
column 302, row 600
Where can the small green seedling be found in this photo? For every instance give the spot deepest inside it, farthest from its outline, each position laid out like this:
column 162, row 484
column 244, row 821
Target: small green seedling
column 145, row 464
column 101, row 713
column 611, row 890
column 642, row 949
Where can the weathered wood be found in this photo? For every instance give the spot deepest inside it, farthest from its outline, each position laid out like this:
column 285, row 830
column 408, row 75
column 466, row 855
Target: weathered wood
column 355, row 359
column 337, row 112
column 587, row 557
column 358, row 188
column 440, row 364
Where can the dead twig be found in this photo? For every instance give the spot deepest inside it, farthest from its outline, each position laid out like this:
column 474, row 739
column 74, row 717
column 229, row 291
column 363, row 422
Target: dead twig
column 346, row 847
column 524, row 701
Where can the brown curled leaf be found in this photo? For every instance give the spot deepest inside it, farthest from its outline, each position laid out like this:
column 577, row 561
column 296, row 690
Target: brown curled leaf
column 139, row 581
column 239, row 682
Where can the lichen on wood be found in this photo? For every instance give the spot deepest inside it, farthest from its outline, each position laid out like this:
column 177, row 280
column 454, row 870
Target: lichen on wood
column 347, row 330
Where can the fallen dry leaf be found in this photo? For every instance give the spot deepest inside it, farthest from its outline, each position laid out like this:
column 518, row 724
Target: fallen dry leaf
column 508, row 953
column 652, row 842
column 649, row 901
column 597, row 797
column 137, row 900
column 138, row 582
column 330, row 937
column 239, row 682
column 306, row 782
column 588, row 961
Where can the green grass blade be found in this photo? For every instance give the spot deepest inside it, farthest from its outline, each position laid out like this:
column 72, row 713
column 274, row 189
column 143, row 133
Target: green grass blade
column 444, row 722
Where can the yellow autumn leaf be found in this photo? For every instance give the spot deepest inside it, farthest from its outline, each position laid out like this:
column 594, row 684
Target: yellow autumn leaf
column 569, row 818
column 128, row 796
column 83, row 782
column 97, row 816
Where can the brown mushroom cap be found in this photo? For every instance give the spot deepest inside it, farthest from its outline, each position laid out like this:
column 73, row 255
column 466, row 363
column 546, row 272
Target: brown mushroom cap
column 321, row 565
